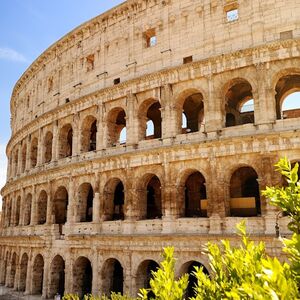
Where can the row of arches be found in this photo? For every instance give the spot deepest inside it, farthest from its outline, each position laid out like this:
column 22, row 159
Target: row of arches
column 191, row 197
column 31, row 277
column 189, row 113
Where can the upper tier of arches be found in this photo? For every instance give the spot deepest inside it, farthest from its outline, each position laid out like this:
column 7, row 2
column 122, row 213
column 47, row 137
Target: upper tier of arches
column 173, row 111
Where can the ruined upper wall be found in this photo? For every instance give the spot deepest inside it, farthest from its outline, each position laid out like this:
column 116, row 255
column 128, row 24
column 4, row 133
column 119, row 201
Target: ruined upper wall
column 114, row 45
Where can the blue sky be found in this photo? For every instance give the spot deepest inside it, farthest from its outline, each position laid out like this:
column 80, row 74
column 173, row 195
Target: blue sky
column 27, row 28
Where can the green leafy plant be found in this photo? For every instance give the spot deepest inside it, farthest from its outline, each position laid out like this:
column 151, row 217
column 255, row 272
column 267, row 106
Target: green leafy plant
column 163, row 284
column 288, row 199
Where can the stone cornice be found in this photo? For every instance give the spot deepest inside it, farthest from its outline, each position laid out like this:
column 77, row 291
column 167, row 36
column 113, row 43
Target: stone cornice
column 208, row 66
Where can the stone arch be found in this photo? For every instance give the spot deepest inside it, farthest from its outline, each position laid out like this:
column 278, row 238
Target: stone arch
column 60, row 205
column 237, row 92
column 150, row 195
column 48, row 141
column 85, row 203
column 37, row 275
column 112, row 277
column 18, row 211
column 23, row 157
column 89, row 134
column 287, row 84
column 34, row 152
column 82, row 276
column 13, row 269
column 144, row 274
column 244, row 192
column 192, row 194
column 114, row 200
column 42, row 207
column 23, row 272
column 15, row 162
column 189, row 268
column 116, row 122
column 150, row 110
column 27, row 209
column 57, row 277
column 65, row 141
column 190, row 106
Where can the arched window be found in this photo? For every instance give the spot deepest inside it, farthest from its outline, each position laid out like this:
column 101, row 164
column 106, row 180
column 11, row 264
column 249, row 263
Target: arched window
column 114, row 199
column 60, row 206
column 37, row 275
column 193, row 110
column 34, row 152
column 112, row 277
column 150, row 120
column 244, row 193
column 66, row 141
column 82, row 277
column 42, row 208
column 291, row 106
column 239, row 104
column 144, row 275
column 89, row 134
column 116, row 123
column 195, row 200
column 57, row 277
column 85, row 202
column 48, row 147
column 154, row 203
column 288, row 97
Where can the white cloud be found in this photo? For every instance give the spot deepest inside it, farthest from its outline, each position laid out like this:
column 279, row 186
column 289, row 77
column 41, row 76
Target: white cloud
column 3, row 166
column 12, row 55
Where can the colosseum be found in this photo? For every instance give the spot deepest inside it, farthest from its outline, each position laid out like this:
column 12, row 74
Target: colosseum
column 156, row 123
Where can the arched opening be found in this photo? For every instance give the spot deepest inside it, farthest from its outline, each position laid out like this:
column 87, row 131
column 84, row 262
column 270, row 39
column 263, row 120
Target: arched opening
column 189, row 268
column 85, row 203
column 154, row 115
column 57, row 277
column 27, row 209
column 112, row 277
column 42, row 208
column 144, row 275
column 244, row 193
column 13, row 269
column 288, row 97
column 18, row 210
column 89, row 134
column 154, row 203
column 34, row 152
column 48, row 147
column 239, row 104
column 193, row 110
column 116, row 123
column 16, row 158
column 195, row 199
column 66, row 141
column 60, row 206
column 23, row 159
column 23, row 272
column 114, row 199
column 82, row 277
column 37, row 275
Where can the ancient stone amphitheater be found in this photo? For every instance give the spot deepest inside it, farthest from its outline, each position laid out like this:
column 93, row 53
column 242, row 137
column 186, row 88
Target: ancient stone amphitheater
column 156, row 123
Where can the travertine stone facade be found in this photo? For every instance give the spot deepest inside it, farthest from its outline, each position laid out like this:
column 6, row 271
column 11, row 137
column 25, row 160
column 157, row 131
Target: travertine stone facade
column 137, row 130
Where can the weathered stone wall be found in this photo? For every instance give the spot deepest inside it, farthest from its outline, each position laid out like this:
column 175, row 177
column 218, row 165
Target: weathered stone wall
column 82, row 204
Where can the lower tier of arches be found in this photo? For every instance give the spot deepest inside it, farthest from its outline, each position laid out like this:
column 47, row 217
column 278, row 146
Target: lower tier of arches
column 101, row 265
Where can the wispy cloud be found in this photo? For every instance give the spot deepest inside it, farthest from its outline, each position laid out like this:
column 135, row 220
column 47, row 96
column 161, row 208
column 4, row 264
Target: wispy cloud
column 3, row 166
column 12, row 55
